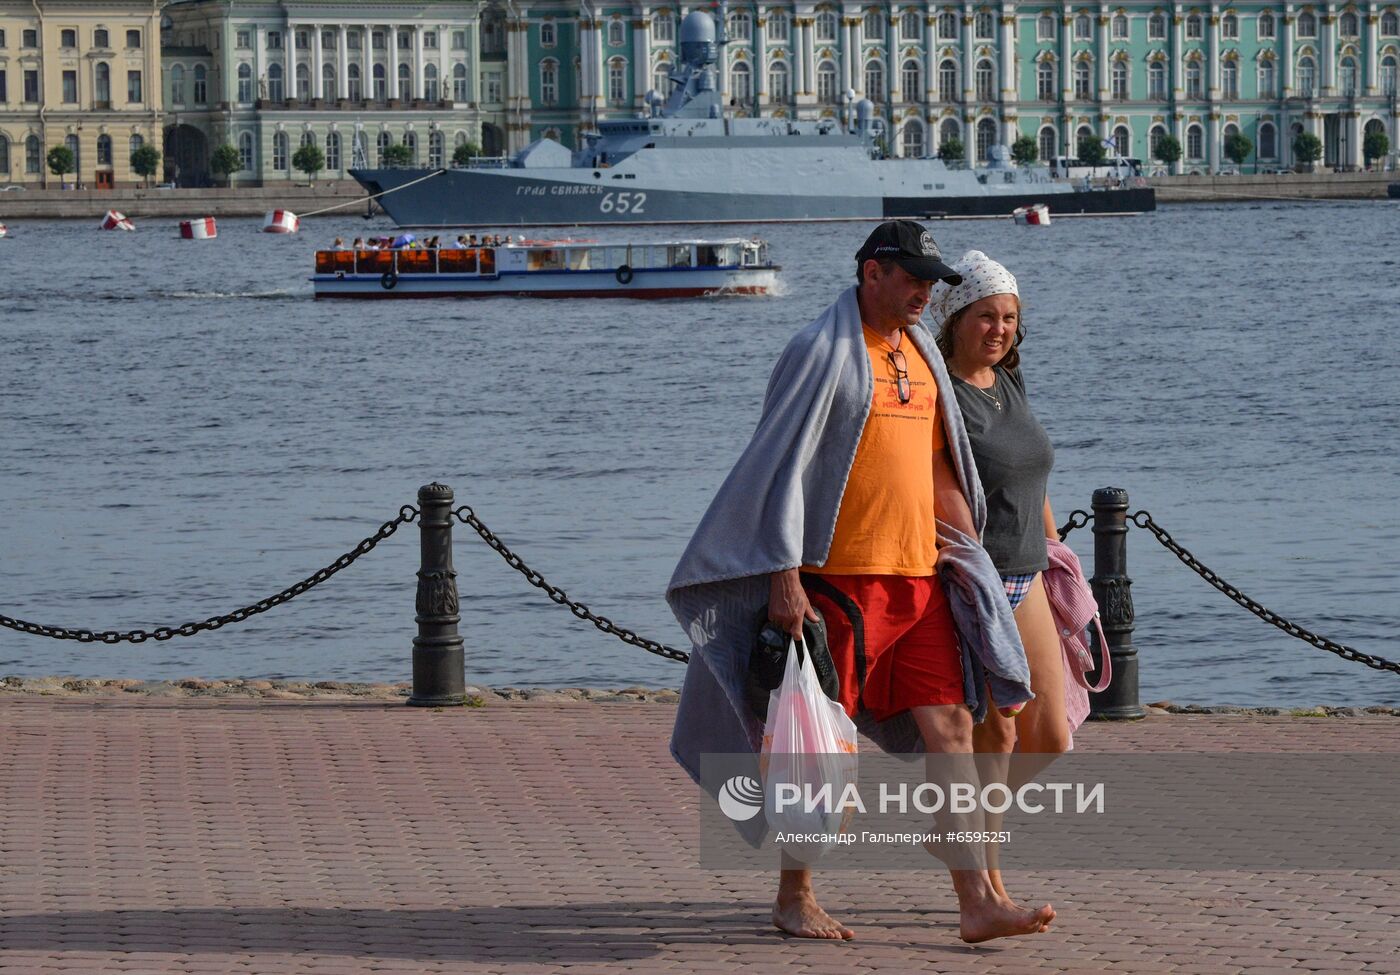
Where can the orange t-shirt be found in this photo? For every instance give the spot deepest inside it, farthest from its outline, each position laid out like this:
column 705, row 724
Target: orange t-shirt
column 886, row 522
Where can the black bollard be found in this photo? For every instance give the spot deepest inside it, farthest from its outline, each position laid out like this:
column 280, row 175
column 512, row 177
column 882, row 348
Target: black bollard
column 438, row 672
column 1112, row 591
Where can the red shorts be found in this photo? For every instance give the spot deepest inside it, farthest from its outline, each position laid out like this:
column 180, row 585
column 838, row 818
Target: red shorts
column 892, row 639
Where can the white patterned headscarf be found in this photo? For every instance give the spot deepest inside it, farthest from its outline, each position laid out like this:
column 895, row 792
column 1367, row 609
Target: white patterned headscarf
column 981, row 278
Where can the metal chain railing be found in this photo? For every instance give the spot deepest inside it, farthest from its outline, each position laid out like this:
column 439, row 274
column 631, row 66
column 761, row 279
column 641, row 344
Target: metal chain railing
column 407, row 514
column 1078, row 518
column 1143, row 519
column 466, row 516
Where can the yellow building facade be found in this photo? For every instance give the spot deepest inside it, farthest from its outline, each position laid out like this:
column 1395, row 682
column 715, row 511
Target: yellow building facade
column 84, row 74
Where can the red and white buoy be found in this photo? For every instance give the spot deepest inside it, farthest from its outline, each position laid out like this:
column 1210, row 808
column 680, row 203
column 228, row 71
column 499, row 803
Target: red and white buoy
column 3, row 231
column 1035, row 215
column 201, row 229
column 281, row 222
column 115, row 220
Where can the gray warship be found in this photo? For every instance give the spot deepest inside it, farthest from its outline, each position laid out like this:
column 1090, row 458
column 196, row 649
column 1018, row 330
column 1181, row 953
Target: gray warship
column 686, row 161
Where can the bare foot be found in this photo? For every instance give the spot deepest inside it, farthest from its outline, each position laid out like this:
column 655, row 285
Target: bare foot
column 1000, row 919
column 799, row 914
column 994, row 875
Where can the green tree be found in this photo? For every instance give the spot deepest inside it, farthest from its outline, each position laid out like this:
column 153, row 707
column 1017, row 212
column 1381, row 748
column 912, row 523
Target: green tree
column 1238, row 147
column 1091, row 152
column 1307, row 149
column 310, row 160
column 225, row 162
column 465, row 153
column 398, row 155
column 1168, row 149
column 952, row 150
column 61, row 162
column 1375, row 145
column 1025, row 150
column 145, row 161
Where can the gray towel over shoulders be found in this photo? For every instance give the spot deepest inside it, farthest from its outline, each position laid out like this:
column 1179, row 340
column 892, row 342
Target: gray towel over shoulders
column 777, row 510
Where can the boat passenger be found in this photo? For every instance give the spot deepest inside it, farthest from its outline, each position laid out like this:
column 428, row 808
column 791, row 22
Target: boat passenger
column 358, row 244
column 471, row 240
column 455, row 245
column 338, row 244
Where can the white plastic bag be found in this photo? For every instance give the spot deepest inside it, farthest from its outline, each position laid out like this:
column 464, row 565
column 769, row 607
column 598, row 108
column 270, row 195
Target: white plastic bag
column 809, row 754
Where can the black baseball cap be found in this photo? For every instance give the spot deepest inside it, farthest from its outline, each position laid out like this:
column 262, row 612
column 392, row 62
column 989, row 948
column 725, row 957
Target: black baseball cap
column 910, row 246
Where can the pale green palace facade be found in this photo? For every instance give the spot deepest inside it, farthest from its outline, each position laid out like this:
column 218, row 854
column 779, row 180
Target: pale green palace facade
column 277, row 73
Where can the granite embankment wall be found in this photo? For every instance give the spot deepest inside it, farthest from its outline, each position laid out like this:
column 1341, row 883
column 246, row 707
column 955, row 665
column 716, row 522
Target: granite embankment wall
column 1284, row 186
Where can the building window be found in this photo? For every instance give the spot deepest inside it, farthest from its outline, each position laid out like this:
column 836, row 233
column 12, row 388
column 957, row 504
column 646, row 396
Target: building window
column 333, row 151
column 1154, row 140
column 1230, row 80
column 430, row 42
column 4, row 156
column 1045, row 81
column 910, row 29
column 1230, row 27
column 308, row 139
column 548, row 36
column 31, row 85
column 873, row 26
column 329, row 86
column 4, row 88
column 1082, row 80
column 1123, row 141
column 911, row 78
column 459, row 82
column 245, row 83
column 104, row 150
column 29, row 37
column 661, row 80
column 71, row 142
column 948, row 26
column 435, row 149
column 986, row 138
column 617, row 81
column 243, row 40
column 1390, row 24
column 1348, row 25
column 1195, row 144
column 1157, row 27
column 133, row 87
column 1120, row 27
column 1388, row 76
column 779, row 27
column 740, row 26
column 100, row 38
column 549, row 81
column 1046, row 143
column 177, row 85
column 1268, row 141
column 1157, row 81
column 405, row 40
column 245, row 151
column 33, row 155
column 1307, row 25
column 617, row 33
column 948, row 79
column 663, row 27
column 741, row 83
column 303, row 82
column 1194, row 88
column 459, row 38
column 302, row 40
column 1083, row 28
column 276, row 90
column 430, row 82
column 354, row 83
column 986, row 81
column 1347, row 76
column 133, row 38
column 410, row 139
column 405, row 83
column 826, row 83
column 1045, row 27
column 379, row 40
column 381, row 83
column 874, row 79
column 1266, row 79
column 381, row 146
column 1264, row 26
column 825, row 25
column 949, row 129
column 1194, row 27
column 911, row 140
column 984, row 25
column 778, row 82
column 279, row 151
column 1082, row 135
column 68, row 37
column 1306, row 77
column 1119, row 77
column 70, row 87
column 491, row 89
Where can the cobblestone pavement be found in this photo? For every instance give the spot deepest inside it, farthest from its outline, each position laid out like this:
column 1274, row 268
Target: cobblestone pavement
column 252, row 836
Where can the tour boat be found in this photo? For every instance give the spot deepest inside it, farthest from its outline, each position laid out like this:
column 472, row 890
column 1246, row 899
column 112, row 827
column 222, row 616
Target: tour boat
column 550, row 269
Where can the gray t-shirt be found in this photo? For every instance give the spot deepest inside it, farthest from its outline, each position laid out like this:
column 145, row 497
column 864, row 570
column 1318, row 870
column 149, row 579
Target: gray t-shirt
column 1014, row 456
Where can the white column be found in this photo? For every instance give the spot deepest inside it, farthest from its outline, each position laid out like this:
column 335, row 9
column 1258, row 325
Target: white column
column 1327, row 84
column 317, row 85
column 393, row 67
column 1213, row 54
column 1178, row 53
column 641, row 57
column 473, row 60
column 259, row 65
column 342, row 62
column 804, row 55
column 585, row 57
column 1369, row 32
column 969, row 67
column 760, row 66
column 289, row 62
column 418, row 62
column 367, row 65
column 1213, row 140
column 600, row 77
column 444, row 33
column 930, row 60
column 1286, row 57
column 1067, row 58
column 1102, row 54
column 1008, row 54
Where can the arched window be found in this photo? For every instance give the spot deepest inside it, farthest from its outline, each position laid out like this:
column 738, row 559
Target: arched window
column 740, row 26
column 1307, row 75
column 911, row 80
column 825, row 26
column 911, row 139
column 33, row 155
column 1045, row 144
column 1157, row 81
column 948, row 79
column 1265, row 26
column 549, row 81
column 134, row 143
column 826, row 83
column 1388, row 75
column 661, row 80
column 102, row 82
column 1045, row 27
column 1083, row 28
column 104, row 152
column 381, row 146
column 617, row 33
column 948, row 26
column 1266, row 78
column 245, row 151
column 1154, row 140
column 1120, row 27
column 354, row 82
column 949, row 129
column 778, row 88
column 984, row 25
column 279, row 151
column 100, row 38
column 1268, row 141
column 459, row 82
column 986, row 81
column 430, row 82
column 1045, row 81
column 874, row 79
column 1230, row 79
column 1194, row 88
column 1123, row 141
column 1194, row 31
column 617, row 82
column 308, row 138
column 4, row 156
column 1348, row 25
column 1230, row 27
column 1307, row 25
column 329, row 86
column 333, row 151
column 910, row 26
column 1082, row 80
column 381, row 83
column 177, row 85
column 1157, row 27
column 410, row 139
column 435, row 147
column 1346, row 76
column 986, row 138
column 201, row 85
column 1083, row 133
column 1390, row 24
column 741, row 82
column 276, row 92
column 873, row 25
column 303, row 83
column 405, row 83
column 1120, row 80
column 1195, row 143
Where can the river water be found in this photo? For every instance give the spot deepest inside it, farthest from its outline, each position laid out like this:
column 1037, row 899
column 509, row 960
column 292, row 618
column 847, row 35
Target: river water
column 186, row 431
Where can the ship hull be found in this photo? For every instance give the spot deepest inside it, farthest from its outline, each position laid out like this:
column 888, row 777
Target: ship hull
column 519, row 198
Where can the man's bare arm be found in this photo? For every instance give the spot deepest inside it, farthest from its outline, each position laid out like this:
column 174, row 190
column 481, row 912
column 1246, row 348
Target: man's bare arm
column 787, row 602
column 948, row 496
